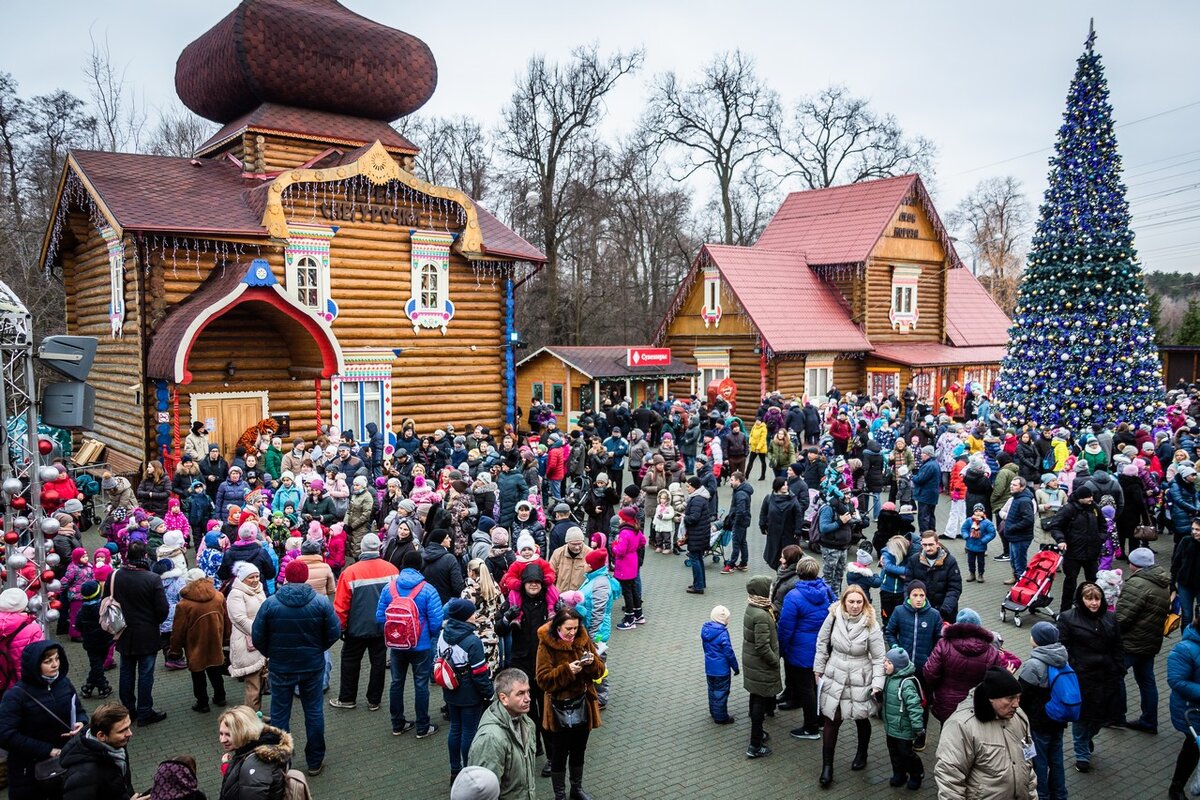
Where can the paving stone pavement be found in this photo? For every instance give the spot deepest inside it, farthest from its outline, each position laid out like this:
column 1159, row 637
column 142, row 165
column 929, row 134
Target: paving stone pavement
column 657, row 740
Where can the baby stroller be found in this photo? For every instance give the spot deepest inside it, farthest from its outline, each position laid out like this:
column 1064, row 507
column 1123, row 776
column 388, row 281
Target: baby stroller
column 1031, row 593
column 719, row 538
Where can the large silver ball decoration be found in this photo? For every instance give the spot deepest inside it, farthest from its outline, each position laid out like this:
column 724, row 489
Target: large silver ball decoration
column 17, row 561
column 35, row 603
column 47, row 474
column 54, row 586
column 11, row 486
column 53, row 559
column 52, row 615
column 20, row 523
column 49, row 526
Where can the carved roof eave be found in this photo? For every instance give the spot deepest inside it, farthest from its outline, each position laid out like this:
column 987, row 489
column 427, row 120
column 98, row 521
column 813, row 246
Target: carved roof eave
column 378, row 166
column 72, row 168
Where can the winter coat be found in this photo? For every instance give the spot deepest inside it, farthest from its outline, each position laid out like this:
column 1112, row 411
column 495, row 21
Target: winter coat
column 902, row 712
column 943, row 581
column 27, row 731
column 283, row 496
column 443, row 571
column 357, row 595
column 554, row 676
column 153, row 495
column 1093, row 643
column 250, row 551
column 599, row 591
column 739, row 507
column 804, row 610
column 1034, row 678
column 984, row 760
column 719, row 658
column 758, row 437
column 850, row 658
column 358, row 514
column 91, row 773
column 462, row 647
column 294, row 628
column 872, row 461
column 144, row 602
column 1185, row 564
column 927, row 482
column 893, row 569
column 835, row 534
column 1022, row 517
column 785, row 580
column 760, row 645
column 258, row 769
column 200, row 626
column 229, row 494
column 512, row 489
column 506, row 745
column 962, row 655
column 1029, row 462
column 697, row 520
column 780, row 520
column 915, row 631
column 1135, row 511
column 1182, row 505
column 1002, row 485
column 987, row 532
column 625, row 553
column 320, row 575
column 320, row 509
column 1183, row 676
column 979, row 488
column 1142, row 609
column 243, row 605
column 1081, row 527
column 24, row 630
column 429, row 605
column 1104, row 484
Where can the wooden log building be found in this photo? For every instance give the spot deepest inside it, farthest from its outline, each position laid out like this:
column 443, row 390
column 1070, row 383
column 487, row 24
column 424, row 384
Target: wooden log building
column 855, row 286
column 294, row 267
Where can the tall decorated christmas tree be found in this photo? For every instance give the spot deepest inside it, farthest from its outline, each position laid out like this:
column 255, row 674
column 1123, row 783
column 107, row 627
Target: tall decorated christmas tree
column 1081, row 348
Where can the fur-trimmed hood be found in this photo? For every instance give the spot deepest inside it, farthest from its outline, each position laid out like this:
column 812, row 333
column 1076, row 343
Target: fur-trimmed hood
column 860, row 569
column 968, row 638
column 274, row 746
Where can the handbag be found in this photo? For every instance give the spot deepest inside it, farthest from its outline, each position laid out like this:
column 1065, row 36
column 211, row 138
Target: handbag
column 1145, row 533
column 49, row 772
column 570, row 712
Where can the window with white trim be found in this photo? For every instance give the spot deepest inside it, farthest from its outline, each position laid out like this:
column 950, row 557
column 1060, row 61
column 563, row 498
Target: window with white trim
column 361, row 402
column 429, row 287
column 904, row 311
column 713, row 365
column 818, row 376
column 306, row 281
column 306, row 268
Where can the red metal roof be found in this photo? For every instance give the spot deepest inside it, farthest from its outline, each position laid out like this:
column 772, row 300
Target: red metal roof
column 306, row 123
column 931, row 354
column 839, row 225
column 793, row 309
column 611, row 362
column 972, row 316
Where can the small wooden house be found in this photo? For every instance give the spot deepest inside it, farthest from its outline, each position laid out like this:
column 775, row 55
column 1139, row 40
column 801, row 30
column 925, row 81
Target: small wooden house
column 855, row 286
column 573, row 380
column 294, row 268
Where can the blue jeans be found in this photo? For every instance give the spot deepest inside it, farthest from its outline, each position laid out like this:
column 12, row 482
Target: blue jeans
column 1018, row 555
column 309, row 684
column 696, row 559
column 689, row 465
column 875, row 503
column 1143, row 674
column 1048, row 766
column 739, row 549
column 718, row 696
column 1082, row 734
column 141, row 667
column 421, row 662
column 1187, row 604
column 464, row 721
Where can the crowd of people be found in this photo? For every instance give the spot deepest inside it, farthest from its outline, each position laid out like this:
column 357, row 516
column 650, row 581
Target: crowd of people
column 491, row 567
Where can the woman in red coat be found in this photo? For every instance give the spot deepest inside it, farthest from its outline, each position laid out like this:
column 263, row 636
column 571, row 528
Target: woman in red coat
column 958, row 663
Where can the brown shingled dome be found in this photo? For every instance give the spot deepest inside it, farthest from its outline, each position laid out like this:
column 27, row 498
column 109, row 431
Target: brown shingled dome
column 313, row 54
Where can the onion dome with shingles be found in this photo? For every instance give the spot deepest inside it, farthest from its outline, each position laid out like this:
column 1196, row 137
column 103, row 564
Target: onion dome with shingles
column 314, row 54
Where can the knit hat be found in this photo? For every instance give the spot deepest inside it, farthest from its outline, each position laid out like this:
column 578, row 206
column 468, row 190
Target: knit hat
column 195, row 574
column 154, row 523
column 1185, row 471
column 888, row 507
column 475, row 783
column 1142, row 558
column 978, row 507
column 370, row 543
column 720, row 614
column 864, row 556
column 1044, row 633
column 243, row 569
column 460, row 609
column 162, row 566
column 928, row 451
column 296, row 572
column 78, row 554
column 13, row 600
column 898, row 657
column 571, row 599
column 525, row 542
column 1083, row 492
column 212, row 539
column 968, row 616
column 312, row 547
column 574, row 534
column 913, row 586
column 628, row 515
column 1049, row 476
column 596, row 559
column 108, row 483
column 316, row 484
column 173, row 539
column 499, row 537
column 998, row 682
column 90, row 590
column 248, row 531
column 73, row 506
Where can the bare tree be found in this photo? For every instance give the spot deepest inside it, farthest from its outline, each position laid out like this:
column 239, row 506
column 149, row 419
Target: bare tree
column 550, row 150
column 720, row 123
column 455, row 151
column 179, row 132
column 835, row 138
column 993, row 221
column 12, row 121
column 119, row 117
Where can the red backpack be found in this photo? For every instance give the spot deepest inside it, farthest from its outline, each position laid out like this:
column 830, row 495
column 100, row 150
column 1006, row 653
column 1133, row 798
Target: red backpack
column 402, row 621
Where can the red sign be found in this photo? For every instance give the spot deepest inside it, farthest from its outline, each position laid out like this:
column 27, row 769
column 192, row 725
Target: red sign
column 648, row 357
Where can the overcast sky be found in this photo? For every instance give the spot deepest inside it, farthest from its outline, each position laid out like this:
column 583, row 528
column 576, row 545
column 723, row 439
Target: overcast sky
column 987, row 82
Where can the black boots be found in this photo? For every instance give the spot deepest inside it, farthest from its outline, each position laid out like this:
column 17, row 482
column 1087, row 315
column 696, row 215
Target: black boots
column 826, row 773
column 558, row 781
column 864, row 740
column 1175, row 792
column 577, row 792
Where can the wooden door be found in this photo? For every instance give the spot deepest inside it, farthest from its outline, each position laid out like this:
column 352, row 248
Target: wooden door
column 231, row 416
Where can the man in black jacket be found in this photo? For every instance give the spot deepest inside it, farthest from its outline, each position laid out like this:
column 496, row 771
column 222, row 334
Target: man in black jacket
column 144, row 603
column 934, row 566
column 96, row 761
column 442, row 570
column 739, row 520
column 1080, row 535
column 697, row 522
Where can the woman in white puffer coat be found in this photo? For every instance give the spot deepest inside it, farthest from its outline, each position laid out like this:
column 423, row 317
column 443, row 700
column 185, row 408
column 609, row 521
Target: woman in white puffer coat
column 849, row 669
column 246, row 596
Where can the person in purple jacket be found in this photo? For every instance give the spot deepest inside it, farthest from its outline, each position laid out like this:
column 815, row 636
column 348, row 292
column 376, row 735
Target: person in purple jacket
column 719, row 662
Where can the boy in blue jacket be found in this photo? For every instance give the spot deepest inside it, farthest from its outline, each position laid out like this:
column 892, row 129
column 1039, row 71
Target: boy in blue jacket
column 719, row 662
column 915, row 627
column 977, row 531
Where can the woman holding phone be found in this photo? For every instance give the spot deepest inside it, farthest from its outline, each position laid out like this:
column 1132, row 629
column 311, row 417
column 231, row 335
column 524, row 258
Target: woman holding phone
column 567, row 668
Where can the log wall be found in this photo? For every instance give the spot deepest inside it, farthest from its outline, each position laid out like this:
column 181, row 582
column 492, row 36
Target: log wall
column 548, row 370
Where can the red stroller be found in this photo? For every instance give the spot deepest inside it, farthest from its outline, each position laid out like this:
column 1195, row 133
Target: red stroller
column 1031, row 593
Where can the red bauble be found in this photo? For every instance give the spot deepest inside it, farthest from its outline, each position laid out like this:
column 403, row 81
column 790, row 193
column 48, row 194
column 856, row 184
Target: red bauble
column 45, row 446
column 18, row 503
column 12, row 537
column 51, row 498
column 48, row 575
column 56, row 604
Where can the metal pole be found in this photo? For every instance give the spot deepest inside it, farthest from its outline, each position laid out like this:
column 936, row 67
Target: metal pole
column 35, row 490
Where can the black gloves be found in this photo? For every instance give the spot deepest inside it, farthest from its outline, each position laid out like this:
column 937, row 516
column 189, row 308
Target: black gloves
column 919, row 742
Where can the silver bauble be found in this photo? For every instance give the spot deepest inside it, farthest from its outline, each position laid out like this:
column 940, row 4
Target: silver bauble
column 54, row 586
column 47, row 474
column 49, row 526
column 20, row 523
column 52, row 615
column 17, row 561
column 11, row 486
column 53, row 559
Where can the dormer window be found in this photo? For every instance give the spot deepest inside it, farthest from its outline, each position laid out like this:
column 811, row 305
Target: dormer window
column 904, row 312
column 711, row 312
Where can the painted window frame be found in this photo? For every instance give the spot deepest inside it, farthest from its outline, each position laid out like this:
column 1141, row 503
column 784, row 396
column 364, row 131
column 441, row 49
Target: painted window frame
column 556, row 397
column 359, row 394
column 904, row 311
column 818, row 364
column 711, row 360
column 537, row 392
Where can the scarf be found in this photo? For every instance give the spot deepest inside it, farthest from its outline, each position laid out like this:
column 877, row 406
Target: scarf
column 118, row 754
column 758, row 601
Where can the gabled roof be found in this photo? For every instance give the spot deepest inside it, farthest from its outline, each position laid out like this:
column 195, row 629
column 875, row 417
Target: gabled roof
column 842, row 224
column 972, row 316
column 304, row 123
column 794, row 310
column 609, row 362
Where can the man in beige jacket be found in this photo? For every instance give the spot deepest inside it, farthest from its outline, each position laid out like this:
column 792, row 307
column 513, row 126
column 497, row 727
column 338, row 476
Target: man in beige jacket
column 986, row 750
column 568, row 561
